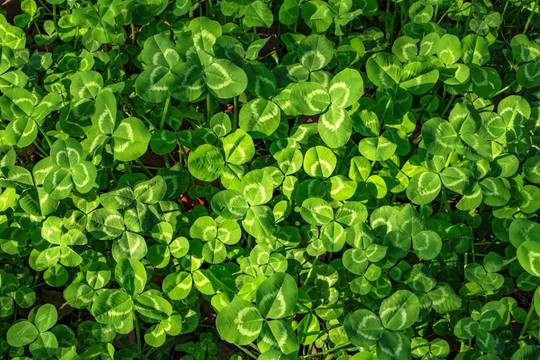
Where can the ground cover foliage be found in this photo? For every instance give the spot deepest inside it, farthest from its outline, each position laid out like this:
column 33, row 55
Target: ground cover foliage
column 345, row 180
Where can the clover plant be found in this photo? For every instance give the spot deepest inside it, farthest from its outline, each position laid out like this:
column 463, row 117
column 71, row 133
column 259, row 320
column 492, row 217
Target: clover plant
column 256, row 179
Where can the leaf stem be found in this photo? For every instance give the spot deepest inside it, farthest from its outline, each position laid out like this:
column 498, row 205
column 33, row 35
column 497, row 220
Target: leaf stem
column 505, row 88
column 45, row 136
column 133, row 34
column 40, row 149
column 311, row 270
column 468, row 18
column 443, row 200
column 509, row 261
column 343, row 346
column 533, row 10
column 147, row 172
column 390, row 98
column 54, row 17
column 527, row 319
column 449, row 158
column 249, row 353
column 137, row 334
column 208, row 107
column 235, row 113
column 165, row 109
column 166, row 160
column 448, row 105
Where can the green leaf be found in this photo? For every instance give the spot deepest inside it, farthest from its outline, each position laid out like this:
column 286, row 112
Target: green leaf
column 257, row 13
column 206, row 163
column 363, row 328
column 152, row 306
column 177, row 285
column 309, row 98
column 21, row 334
column 259, row 222
column 86, row 84
column 423, row 188
column 277, row 295
column 400, row 310
column 528, row 254
column 531, row 169
column 151, row 191
column 21, row 132
column 377, row 148
column 130, row 275
column 494, row 192
column 83, row 175
column 448, row 49
column 394, row 345
column 319, row 162
column 260, row 117
column 474, row 50
column 46, row 317
column 439, row 136
column 105, row 224
column 346, row 88
column 335, row 127
column 66, row 153
column 224, row 79
column 257, row 187
column 317, row 211
column 130, row 139
column 112, row 306
column 104, row 117
column 238, row 147
column 315, row 52
column 427, row 244
column 240, row 322
column 230, row 204
column 383, row 69
column 278, row 334
column 289, row 11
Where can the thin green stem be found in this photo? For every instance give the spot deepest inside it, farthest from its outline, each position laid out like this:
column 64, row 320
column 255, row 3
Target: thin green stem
column 138, row 334
column 247, row 352
column 76, row 45
column 45, row 136
column 54, row 17
column 509, row 261
column 128, row 168
column 443, row 200
column 208, row 108
column 165, row 109
column 449, row 159
column 505, row 88
column 133, row 35
column 235, row 113
column 448, row 104
column 166, row 160
column 143, row 167
column 45, row 7
column 527, row 320
column 40, row 149
column 533, row 11
column 340, row 347
column 39, row 32
column 390, row 98
column 468, row 18
column 502, row 15
column 311, row 270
